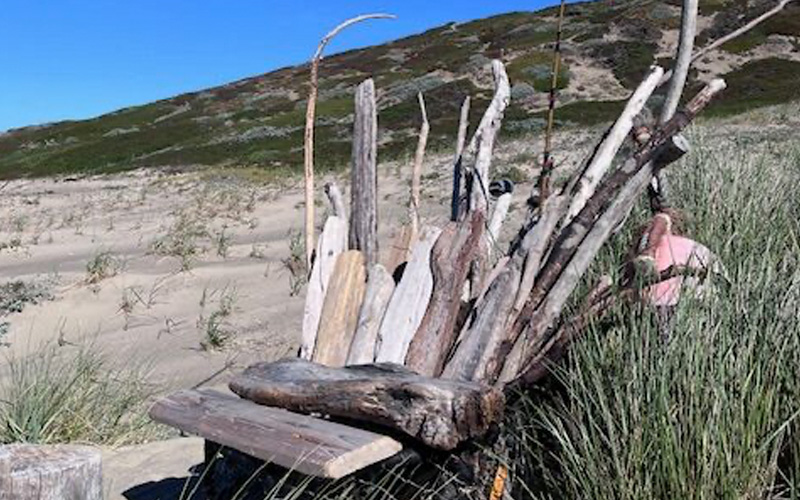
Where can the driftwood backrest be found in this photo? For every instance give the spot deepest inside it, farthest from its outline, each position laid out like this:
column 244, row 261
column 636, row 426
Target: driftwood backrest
column 459, row 309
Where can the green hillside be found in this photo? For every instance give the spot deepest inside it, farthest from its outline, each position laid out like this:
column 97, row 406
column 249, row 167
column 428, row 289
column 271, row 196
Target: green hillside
column 258, row 121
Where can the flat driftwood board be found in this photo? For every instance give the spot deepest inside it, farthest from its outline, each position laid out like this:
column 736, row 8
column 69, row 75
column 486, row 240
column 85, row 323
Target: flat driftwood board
column 299, row 442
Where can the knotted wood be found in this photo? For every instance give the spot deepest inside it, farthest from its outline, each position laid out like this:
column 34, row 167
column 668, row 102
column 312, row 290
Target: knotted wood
column 437, row 412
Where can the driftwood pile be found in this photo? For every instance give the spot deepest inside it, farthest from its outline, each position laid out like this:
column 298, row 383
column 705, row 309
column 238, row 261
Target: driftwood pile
column 421, row 342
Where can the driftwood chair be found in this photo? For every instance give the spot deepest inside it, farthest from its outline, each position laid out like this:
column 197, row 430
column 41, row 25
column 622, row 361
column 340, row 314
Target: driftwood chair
column 422, row 347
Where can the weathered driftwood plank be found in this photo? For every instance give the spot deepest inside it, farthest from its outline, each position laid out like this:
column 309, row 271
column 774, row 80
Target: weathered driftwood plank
column 306, row 444
column 380, row 286
column 485, row 328
column 409, row 301
column 340, row 312
column 50, row 472
column 451, row 257
column 440, row 413
column 364, row 174
column 332, row 242
column 498, row 217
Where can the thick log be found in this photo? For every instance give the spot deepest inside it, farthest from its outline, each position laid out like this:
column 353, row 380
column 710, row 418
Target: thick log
column 451, row 257
column 380, row 286
column 409, row 301
column 440, row 413
column 340, row 313
column 52, row 472
column 332, row 242
column 364, row 175
column 299, row 442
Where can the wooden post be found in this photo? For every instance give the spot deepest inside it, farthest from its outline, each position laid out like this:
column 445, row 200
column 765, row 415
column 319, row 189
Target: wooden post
column 43, row 472
column 481, row 146
column 364, row 177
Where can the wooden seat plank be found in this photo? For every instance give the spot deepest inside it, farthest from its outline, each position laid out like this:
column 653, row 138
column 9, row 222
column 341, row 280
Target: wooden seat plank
column 299, row 442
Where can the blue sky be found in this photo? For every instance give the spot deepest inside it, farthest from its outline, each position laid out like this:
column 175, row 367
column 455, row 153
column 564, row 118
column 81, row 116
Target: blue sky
column 71, row 59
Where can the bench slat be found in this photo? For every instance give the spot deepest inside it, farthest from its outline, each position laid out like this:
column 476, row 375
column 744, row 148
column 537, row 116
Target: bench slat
column 299, row 442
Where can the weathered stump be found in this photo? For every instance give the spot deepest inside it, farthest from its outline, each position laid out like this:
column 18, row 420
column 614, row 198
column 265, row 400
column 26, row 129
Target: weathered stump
column 60, row 472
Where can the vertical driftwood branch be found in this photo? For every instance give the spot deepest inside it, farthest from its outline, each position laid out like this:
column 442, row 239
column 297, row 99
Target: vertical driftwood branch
column 311, row 107
column 332, row 242
column 547, row 159
column 481, row 147
column 458, row 173
column 608, row 148
column 416, row 173
column 659, row 187
column 364, row 178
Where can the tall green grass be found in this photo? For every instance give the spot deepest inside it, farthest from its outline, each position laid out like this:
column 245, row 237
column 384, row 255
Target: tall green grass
column 75, row 396
column 712, row 411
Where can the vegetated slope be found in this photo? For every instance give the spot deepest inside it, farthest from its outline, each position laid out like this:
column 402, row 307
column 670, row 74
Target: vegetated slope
column 258, row 121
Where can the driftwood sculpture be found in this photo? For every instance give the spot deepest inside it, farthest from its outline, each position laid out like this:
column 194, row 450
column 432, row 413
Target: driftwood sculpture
column 425, row 343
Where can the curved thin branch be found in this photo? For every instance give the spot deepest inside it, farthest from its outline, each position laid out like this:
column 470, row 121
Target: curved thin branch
column 309, row 130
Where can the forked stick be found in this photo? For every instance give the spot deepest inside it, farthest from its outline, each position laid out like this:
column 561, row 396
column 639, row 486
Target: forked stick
column 308, row 139
column 416, row 174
